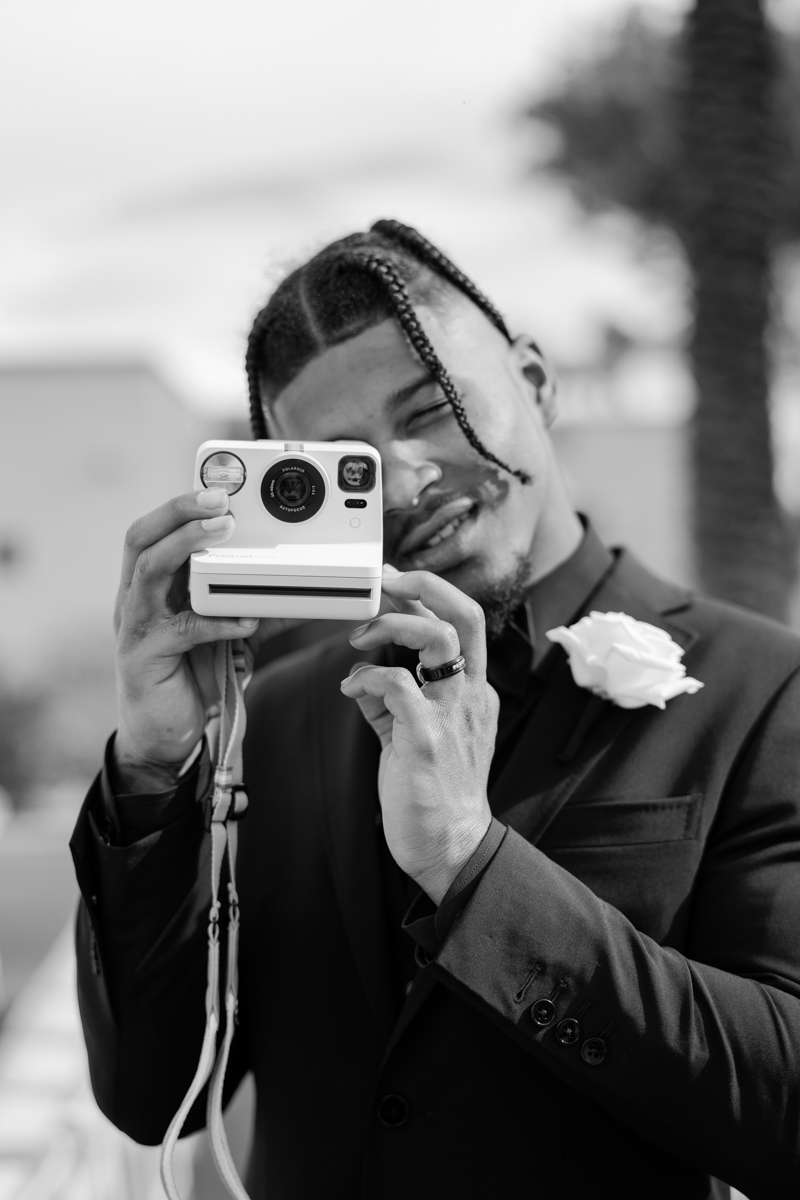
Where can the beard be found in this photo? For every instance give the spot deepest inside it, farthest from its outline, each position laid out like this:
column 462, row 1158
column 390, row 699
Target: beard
column 501, row 599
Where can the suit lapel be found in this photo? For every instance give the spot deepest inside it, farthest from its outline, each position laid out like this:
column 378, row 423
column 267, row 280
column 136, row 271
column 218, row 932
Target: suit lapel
column 570, row 730
column 347, row 781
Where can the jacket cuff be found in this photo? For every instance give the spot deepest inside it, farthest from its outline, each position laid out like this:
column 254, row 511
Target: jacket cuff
column 429, row 925
column 124, row 817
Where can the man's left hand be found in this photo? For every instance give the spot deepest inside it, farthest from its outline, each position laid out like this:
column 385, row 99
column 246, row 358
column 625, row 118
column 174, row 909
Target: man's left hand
column 437, row 741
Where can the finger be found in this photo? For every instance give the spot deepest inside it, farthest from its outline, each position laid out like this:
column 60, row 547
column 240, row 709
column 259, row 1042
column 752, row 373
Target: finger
column 400, row 603
column 375, row 712
column 395, row 689
column 448, row 604
column 158, row 564
column 437, row 641
column 155, row 525
column 181, row 632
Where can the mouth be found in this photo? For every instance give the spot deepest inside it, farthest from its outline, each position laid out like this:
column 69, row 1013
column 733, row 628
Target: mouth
column 437, row 542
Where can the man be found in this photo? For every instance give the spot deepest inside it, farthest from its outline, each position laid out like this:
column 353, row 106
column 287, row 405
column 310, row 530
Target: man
column 524, row 941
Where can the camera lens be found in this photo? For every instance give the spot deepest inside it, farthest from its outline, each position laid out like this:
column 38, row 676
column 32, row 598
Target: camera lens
column 293, row 489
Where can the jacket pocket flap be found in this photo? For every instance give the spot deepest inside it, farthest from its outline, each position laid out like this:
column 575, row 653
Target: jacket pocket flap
column 624, row 822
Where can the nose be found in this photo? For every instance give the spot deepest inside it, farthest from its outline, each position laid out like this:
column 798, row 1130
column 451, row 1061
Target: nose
column 406, row 475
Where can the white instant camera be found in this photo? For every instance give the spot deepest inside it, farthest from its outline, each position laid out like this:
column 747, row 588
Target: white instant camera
column 309, row 531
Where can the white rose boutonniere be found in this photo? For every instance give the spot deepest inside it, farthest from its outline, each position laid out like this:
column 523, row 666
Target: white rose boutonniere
column 624, row 660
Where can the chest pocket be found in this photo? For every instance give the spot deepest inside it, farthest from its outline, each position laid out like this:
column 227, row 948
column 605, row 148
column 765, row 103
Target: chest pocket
column 641, row 856
column 624, row 823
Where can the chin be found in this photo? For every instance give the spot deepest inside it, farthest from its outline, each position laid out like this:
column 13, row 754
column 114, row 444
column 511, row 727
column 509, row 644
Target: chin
column 500, row 590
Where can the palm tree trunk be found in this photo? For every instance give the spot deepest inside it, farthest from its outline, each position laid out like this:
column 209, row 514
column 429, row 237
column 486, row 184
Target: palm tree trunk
column 745, row 550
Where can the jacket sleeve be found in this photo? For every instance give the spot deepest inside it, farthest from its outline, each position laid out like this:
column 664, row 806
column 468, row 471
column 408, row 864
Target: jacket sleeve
column 141, row 941
column 698, row 1052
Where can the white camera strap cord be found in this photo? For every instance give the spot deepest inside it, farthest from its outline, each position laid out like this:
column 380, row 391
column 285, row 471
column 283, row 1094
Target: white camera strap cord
column 228, row 804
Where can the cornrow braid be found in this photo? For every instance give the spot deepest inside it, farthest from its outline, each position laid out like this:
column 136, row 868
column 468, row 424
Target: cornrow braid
column 252, row 366
column 425, row 252
column 381, row 268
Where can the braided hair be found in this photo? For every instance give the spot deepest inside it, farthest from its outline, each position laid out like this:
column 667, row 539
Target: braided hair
column 349, row 286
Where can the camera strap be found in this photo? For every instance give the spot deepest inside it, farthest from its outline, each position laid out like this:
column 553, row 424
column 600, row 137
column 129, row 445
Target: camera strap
column 227, row 805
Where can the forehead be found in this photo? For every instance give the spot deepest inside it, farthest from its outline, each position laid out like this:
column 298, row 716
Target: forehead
column 350, row 387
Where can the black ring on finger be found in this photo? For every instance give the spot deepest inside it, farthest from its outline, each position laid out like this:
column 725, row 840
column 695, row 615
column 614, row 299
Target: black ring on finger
column 444, row 671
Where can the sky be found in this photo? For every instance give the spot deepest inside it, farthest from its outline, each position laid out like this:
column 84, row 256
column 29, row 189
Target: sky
column 164, row 160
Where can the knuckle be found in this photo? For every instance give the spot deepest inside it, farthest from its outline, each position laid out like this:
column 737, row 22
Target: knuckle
column 399, row 677
column 474, row 613
column 428, row 740
column 144, row 563
column 184, row 624
column 134, row 536
column 450, row 633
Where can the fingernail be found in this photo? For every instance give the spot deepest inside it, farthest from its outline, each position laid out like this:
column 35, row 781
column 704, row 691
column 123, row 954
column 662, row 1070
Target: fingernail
column 212, row 498
column 247, row 622
column 388, row 569
column 360, row 629
column 214, row 524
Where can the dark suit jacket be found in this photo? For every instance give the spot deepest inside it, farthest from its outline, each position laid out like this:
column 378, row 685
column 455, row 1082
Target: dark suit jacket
column 648, row 884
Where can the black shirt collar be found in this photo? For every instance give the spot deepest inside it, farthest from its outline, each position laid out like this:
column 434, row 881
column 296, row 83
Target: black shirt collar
column 557, row 599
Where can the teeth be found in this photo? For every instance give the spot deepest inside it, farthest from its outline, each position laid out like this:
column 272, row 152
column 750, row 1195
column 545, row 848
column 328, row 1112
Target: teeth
column 445, row 532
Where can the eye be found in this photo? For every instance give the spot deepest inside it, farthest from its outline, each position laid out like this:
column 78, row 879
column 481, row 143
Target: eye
column 429, row 414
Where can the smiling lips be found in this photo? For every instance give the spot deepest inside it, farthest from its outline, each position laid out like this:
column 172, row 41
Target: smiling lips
column 442, row 525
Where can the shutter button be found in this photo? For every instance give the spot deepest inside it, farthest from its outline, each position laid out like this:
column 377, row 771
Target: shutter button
column 593, row 1051
column 393, row 1111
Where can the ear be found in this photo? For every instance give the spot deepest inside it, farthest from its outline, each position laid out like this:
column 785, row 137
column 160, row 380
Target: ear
column 539, row 374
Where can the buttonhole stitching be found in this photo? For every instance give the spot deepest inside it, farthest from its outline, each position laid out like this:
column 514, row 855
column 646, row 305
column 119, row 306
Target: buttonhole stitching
column 519, row 995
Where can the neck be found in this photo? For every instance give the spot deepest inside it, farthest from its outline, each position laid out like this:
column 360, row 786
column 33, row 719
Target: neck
column 557, row 537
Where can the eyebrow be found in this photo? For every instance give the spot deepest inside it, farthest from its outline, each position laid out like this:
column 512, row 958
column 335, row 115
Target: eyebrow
column 397, row 399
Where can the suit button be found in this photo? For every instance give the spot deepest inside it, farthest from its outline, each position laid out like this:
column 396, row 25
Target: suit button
column 393, row 1111
column 593, row 1051
column 543, row 1012
column 568, row 1031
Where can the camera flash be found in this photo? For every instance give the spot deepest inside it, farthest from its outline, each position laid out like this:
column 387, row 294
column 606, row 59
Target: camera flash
column 224, row 471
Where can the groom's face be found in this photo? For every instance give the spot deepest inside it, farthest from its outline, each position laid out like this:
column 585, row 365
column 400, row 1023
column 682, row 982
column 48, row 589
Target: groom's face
column 446, row 508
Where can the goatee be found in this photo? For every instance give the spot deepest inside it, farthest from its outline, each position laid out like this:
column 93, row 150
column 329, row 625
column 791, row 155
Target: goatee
column 500, row 600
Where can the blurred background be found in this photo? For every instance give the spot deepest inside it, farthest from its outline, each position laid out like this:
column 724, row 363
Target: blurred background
column 620, row 178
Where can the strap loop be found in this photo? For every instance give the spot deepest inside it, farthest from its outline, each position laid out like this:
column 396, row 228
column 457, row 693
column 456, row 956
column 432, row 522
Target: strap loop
column 223, row 810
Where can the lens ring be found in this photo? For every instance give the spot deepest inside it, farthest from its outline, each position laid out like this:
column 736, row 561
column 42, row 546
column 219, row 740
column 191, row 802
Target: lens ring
column 293, row 489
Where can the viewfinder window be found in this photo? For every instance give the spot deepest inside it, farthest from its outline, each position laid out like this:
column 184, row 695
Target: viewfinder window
column 357, row 473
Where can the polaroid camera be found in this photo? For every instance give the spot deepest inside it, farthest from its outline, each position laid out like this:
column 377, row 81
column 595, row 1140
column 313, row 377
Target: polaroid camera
column 309, row 531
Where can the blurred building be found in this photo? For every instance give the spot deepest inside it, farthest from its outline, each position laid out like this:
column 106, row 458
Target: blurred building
column 88, row 448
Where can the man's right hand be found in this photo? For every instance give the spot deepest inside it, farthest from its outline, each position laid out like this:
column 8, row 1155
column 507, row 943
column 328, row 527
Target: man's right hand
column 165, row 651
